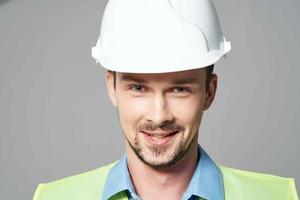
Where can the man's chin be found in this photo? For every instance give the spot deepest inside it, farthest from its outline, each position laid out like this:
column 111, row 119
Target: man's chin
column 157, row 156
column 166, row 160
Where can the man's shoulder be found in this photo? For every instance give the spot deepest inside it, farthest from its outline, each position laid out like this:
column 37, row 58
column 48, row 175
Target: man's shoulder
column 76, row 186
column 267, row 186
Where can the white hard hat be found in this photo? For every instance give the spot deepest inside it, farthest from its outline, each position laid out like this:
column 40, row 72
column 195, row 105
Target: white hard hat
column 157, row 36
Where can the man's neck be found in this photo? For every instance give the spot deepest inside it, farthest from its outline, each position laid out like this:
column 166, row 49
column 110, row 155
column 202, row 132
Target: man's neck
column 170, row 183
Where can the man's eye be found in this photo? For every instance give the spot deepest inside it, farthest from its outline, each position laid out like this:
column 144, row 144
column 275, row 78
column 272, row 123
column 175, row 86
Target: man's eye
column 138, row 88
column 181, row 90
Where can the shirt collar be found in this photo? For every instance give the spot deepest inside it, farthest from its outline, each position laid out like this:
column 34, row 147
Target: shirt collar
column 118, row 180
column 207, row 181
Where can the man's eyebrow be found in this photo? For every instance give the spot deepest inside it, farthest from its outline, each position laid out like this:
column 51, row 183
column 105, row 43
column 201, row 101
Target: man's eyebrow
column 185, row 81
column 127, row 77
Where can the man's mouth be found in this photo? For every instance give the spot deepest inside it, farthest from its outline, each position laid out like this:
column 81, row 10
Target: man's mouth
column 160, row 134
column 159, row 138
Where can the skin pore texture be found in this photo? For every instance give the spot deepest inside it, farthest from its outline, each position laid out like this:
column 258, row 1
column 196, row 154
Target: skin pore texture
column 160, row 115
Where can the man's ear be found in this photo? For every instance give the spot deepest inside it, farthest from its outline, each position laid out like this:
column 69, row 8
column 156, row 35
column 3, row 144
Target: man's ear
column 211, row 90
column 111, row 87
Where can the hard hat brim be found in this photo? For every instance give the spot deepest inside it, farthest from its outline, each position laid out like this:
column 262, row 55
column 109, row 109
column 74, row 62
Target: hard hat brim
column 121, row 63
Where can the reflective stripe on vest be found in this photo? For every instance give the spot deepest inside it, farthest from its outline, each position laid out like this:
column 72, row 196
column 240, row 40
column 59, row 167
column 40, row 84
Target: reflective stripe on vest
column 238, row 185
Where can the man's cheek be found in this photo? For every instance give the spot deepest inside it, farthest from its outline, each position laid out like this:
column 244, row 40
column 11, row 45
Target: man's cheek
column 186, row 113
column 131, row 114
column 134, row 109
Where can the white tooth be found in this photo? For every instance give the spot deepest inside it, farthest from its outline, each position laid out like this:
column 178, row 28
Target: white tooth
column 157, row 137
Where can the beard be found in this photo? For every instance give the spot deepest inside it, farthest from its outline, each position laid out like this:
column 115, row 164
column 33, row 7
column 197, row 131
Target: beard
column 165, row 155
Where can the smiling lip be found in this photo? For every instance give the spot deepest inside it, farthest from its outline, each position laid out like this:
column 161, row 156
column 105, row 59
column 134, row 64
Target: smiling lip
column 159, row 138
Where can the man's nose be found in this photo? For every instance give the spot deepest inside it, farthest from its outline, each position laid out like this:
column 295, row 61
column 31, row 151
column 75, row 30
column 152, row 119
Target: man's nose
column 159, row 112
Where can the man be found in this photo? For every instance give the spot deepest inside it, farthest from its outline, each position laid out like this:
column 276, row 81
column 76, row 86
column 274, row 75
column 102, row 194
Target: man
column 159, row 56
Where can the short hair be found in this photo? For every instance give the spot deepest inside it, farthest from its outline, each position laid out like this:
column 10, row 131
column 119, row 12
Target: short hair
column 209, row 71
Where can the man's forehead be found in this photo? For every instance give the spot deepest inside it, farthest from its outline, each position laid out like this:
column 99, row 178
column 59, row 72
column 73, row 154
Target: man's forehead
column 183, row 77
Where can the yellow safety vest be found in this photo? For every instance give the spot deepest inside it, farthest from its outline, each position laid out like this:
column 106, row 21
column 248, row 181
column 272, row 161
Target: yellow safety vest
column 238, row 185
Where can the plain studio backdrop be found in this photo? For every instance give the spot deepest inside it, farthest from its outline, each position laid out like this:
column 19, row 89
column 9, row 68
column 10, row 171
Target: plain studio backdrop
column 56, row 119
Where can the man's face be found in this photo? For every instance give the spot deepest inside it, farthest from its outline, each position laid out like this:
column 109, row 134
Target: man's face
column 160, row 113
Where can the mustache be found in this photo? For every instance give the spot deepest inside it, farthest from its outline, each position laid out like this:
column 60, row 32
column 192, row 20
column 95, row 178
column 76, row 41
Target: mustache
column 165, row 127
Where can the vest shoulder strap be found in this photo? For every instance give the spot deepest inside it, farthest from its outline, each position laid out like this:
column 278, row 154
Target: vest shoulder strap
column 246, row 185
column 87, row 185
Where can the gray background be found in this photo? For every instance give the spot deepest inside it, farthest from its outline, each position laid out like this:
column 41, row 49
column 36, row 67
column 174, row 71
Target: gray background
column 56, row 119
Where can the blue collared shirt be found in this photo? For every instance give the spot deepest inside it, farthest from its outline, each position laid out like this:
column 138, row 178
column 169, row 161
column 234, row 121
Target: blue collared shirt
column 207, row 181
